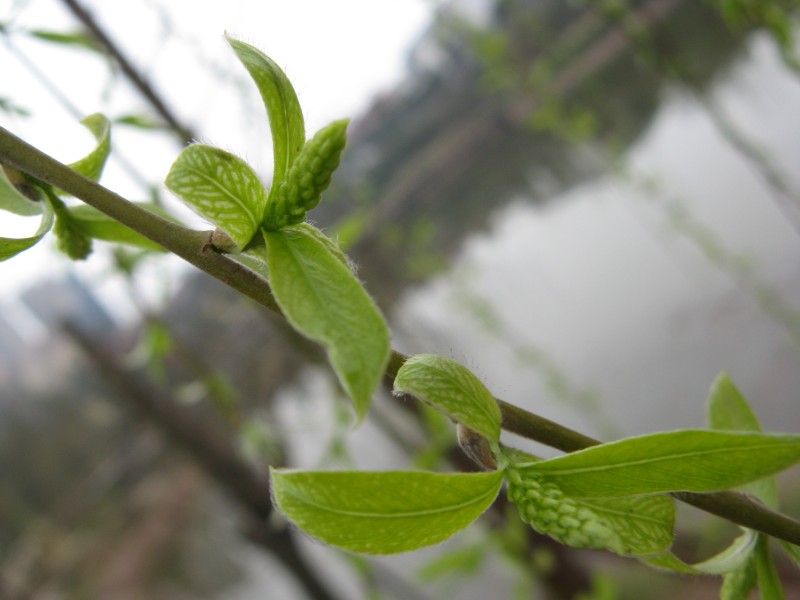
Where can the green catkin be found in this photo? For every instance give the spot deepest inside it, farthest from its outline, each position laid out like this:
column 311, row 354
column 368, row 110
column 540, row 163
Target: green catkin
column 69, row 239
column 544, row 507
column 308, row 177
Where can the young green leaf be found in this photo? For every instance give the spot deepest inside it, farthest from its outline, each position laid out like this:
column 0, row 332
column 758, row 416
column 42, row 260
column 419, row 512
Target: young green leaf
column 12, row 246
column 792, row 551
column 77, row 39
column 729, row 410
column 732, row 558
column 453, row 389
column 140, row 121
column 220, row 187
column 92, row 164
column 95, row 224
column 769, row 582
column 323, row 300
column 383, row 513
column 686, row 460
column 633, row 526
column 738, row 584
column 308, row 177
column 12, row 199
column 283, row 109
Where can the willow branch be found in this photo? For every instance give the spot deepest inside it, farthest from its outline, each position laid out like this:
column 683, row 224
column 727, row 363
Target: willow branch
column 195, row 247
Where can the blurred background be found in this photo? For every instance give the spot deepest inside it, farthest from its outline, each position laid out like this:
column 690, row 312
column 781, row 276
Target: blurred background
column 593, row 205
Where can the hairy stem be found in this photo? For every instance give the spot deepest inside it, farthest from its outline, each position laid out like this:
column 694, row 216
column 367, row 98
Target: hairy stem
column 195, row 247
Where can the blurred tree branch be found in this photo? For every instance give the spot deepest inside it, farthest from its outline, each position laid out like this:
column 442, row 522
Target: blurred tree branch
column 138, row 80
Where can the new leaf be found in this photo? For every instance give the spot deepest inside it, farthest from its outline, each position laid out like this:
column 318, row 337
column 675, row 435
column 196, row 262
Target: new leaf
column 220, row 187
column 685, row 460
column 383, row 513
column 285, row 116
column 323, row 300
column 453, row 389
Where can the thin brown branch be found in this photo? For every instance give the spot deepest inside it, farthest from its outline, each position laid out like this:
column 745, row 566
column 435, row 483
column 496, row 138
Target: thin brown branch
column 138, row 80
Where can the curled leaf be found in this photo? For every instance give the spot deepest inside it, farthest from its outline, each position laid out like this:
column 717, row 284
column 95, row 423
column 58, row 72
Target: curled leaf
column 10, row 247
column 93, row 163
column 452, row 389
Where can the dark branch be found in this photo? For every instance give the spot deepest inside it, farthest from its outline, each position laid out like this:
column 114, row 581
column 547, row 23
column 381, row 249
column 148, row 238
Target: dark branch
column 136, row 78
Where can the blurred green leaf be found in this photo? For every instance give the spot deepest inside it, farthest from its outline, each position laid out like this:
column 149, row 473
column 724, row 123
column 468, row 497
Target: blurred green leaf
column 10, row 247
column 93, row 163
column 739, row 582
column 769, row 582
column 457, row 562
column 12, row 199
column 729, row 410
column 97, row 225
column 77, row 39
column 7, row 106
column 139, row 121
column 731, row 558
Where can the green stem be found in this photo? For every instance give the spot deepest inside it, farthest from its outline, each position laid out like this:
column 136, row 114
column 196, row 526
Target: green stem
column 196, row 248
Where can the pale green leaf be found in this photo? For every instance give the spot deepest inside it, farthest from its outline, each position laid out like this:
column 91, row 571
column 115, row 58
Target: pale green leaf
column 93, row 163
column 140, row 121
column 792, row 551
column 635, row 526
column 769, row 582
column 738, row 584
column 323, row 300
column 95, row 224
column 285, row 116
column 729, row 410
column 220, row 187
column 693, row 460
column 642, row 524
column 77, row 39
column 734, row 557
column 12, row 246
column 453, row 389
column 11, row 199
column 386, row 512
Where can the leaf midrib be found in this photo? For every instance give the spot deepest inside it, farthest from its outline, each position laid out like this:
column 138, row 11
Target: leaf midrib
column 556, row 471
column 196, row 171
column 404, row 515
